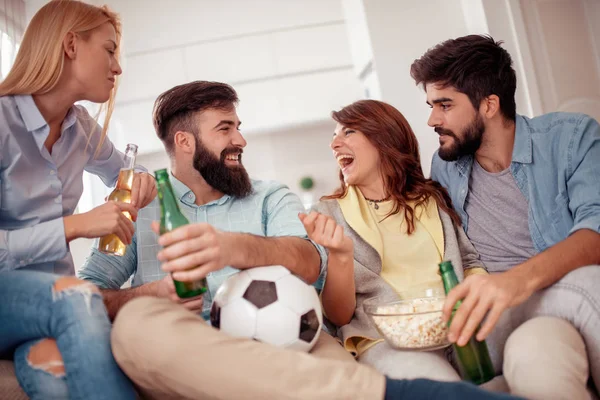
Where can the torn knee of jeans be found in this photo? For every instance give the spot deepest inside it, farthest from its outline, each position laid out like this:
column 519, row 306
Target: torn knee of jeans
column 45, row 356
column 69, row 285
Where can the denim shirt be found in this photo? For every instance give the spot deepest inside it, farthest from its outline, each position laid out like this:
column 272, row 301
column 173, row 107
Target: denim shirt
column 39, row 188
column 271, row 211
column 556, row 165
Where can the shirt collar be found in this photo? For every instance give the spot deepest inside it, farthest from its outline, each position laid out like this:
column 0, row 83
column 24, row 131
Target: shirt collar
column 522, row 149
column 186, row 196
column 30, row 113
column 34, row 120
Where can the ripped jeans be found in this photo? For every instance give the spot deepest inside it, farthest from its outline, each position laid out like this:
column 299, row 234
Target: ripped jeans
column 59, row 333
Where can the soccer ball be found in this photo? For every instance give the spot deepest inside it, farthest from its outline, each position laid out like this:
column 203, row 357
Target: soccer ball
column 270, row 305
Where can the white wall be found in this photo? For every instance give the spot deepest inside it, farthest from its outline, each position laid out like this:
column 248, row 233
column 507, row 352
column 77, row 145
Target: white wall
column 289, row 61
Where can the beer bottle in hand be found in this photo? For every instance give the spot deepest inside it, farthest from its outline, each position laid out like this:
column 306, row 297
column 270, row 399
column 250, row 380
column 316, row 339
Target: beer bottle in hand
column 474, row 358
column 171, row 217
column 111, row 244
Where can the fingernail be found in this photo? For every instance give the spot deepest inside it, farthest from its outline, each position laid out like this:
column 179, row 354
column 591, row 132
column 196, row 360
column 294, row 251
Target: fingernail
column 462, row 341
column 452, row 337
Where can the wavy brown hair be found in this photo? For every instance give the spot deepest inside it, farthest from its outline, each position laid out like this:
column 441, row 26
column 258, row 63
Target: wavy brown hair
column 387, row 129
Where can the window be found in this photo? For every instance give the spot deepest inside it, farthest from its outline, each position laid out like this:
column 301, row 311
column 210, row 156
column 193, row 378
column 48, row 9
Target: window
column 12, row 26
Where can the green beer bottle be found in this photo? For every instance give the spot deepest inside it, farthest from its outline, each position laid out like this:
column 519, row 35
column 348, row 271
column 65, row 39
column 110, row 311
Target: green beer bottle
column 474, row 358
column 171, row 217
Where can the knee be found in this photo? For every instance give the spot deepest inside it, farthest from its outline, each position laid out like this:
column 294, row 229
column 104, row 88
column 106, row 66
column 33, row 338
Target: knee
column 45, row 356
column 546, row 358
column 540, row 332
column 132, row 323
column 67, row 286
column 583, row 280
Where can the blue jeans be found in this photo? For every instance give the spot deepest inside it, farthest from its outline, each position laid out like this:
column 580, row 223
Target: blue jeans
column 37, row 306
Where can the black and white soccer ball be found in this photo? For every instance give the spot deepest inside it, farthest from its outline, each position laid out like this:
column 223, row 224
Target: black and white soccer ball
column 271, row 305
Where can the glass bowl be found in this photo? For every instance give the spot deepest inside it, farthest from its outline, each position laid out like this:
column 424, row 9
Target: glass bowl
column 413, row 323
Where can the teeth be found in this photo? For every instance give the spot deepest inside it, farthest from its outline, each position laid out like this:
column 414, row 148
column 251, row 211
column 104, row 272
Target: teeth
column 233, row 157
column 344, row 156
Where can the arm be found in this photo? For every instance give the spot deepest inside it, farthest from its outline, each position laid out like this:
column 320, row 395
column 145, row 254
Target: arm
column 339, row 293
column 580, row 249
column 192, row 251
column 114, row 299
column 498, row 292
column 296, row 254
column 40, row 243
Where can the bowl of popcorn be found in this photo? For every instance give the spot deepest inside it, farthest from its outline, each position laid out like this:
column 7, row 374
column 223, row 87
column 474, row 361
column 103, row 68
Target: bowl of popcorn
column 410, row 324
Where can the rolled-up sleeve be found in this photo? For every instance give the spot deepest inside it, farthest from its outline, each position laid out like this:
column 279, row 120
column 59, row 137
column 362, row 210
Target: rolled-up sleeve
column 109, row 272
column 583, row 184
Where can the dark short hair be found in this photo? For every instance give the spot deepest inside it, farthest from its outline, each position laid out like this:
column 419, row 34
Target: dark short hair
column 175, row 109
column 475, row 65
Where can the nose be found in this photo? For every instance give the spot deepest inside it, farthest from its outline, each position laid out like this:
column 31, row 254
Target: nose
column 238, row 140
column 117, row 68
column 336, row 142
column 434, row 119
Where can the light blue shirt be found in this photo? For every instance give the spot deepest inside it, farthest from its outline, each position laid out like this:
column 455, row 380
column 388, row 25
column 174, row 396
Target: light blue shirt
column 270, row 211
column 38, row 189
column 556, row 165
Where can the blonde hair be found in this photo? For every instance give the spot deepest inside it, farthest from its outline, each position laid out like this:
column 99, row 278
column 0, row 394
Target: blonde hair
column 40, row 60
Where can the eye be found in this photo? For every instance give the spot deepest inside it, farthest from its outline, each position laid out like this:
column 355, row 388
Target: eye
column 445, row 107
column 348, row 132
column 112, row 52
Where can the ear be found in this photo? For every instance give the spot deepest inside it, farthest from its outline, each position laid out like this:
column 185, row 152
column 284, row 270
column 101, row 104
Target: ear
column 70, row 45
column 184, row 142
column 490, row 106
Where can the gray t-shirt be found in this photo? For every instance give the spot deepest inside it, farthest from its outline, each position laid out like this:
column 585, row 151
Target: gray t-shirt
column 498, row 219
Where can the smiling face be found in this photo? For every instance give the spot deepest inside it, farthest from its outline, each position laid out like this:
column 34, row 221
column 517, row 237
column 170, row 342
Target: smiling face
column 218, row 152
column 94, row 65
column 455, row 120
column 356, row 155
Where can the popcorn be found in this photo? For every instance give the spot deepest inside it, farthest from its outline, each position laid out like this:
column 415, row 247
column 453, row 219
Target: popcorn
column 420, row 326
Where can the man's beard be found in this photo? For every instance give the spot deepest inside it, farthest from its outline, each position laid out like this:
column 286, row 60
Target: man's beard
column 233, row 181
column 468, row 144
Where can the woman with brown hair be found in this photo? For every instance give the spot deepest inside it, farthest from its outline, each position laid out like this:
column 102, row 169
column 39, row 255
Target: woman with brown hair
column 386, row 229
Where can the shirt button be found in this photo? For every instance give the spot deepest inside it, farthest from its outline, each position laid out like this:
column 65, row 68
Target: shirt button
column 190, row 195
column 52, row 172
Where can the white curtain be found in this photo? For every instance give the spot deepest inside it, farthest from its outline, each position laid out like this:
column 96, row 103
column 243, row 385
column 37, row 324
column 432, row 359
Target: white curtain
column 12, row 27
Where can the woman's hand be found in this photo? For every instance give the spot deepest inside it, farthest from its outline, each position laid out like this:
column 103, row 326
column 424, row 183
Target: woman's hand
column 323, row 230
column 102, row 220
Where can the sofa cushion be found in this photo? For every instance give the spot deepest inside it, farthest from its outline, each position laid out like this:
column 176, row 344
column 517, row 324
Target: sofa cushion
column 9, row 386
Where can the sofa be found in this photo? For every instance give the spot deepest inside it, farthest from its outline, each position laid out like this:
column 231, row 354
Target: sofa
column 9, row 386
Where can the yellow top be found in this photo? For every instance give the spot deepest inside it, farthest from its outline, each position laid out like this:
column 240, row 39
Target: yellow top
column 409, row 262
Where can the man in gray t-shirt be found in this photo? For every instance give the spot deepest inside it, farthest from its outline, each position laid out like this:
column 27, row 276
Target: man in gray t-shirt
column 528, row 194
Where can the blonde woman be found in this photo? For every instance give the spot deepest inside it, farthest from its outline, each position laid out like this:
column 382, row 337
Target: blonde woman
column 53, row 325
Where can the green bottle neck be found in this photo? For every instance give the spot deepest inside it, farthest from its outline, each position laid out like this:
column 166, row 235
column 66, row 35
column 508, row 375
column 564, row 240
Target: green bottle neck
column 170, row 214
